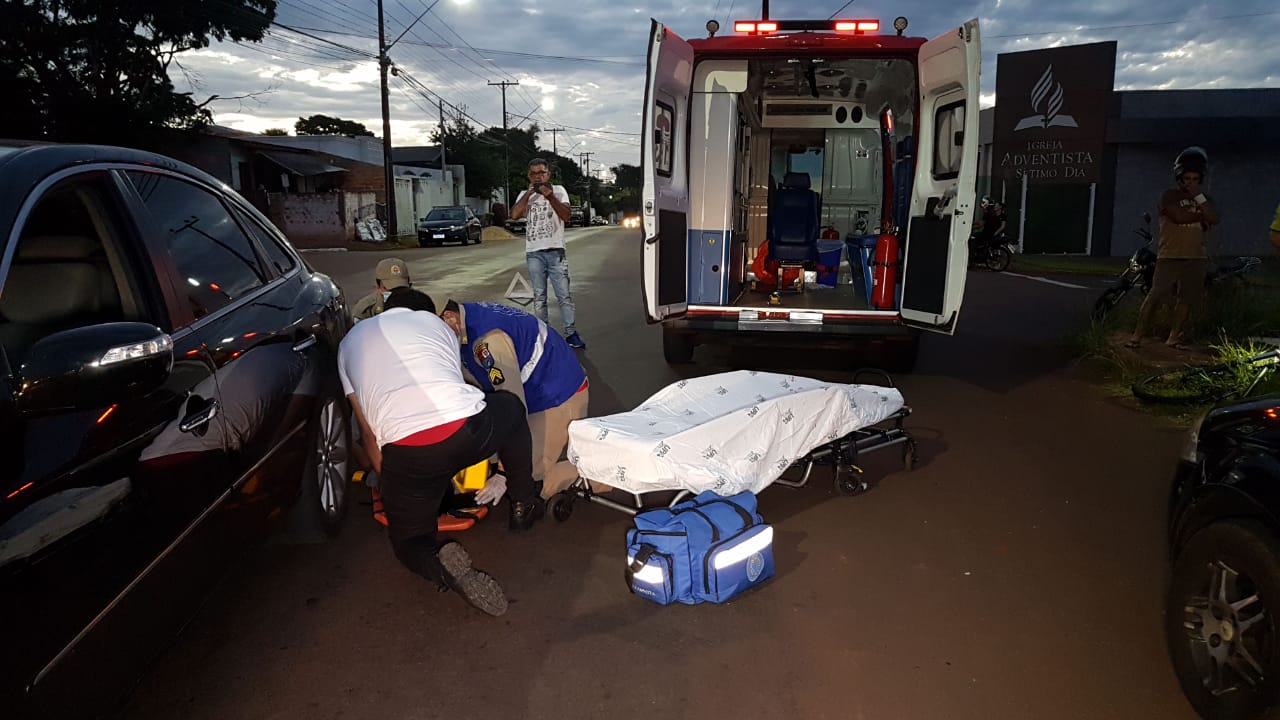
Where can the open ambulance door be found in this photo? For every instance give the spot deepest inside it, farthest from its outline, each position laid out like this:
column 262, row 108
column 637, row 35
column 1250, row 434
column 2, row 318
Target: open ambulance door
column 942, row 196
column 665, row 196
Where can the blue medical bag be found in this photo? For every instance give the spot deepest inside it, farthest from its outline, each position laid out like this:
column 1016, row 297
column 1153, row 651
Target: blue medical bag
column 707, row 549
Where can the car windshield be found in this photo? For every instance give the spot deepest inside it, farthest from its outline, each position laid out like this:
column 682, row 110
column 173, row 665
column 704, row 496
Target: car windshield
column 451, row 214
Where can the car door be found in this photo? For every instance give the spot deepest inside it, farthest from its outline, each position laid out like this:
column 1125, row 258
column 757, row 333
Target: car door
column 102, row 487
column 262, row 321
column 942, row 197
column 665, row 191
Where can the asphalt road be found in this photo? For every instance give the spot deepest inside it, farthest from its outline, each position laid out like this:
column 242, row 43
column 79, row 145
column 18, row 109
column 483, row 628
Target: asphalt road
column 1015, row 573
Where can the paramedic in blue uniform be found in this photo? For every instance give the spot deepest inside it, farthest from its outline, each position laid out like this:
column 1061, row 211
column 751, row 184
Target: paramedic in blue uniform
column 400, row 371
column 505, row 348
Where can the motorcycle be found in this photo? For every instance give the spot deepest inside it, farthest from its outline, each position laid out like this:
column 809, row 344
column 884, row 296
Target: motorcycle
column 994, row 254
column 1142, row 268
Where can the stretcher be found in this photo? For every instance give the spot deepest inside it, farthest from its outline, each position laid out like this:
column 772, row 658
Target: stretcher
column 734, row 432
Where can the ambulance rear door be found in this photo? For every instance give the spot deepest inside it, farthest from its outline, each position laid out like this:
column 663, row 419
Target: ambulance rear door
column 665, row 158
column 943, row 193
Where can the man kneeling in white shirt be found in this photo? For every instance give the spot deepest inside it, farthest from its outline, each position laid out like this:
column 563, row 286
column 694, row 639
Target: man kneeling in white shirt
column 422, row 423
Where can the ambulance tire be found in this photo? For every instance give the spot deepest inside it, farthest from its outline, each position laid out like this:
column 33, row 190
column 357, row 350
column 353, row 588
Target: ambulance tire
column 677, row 347
column 903, row 354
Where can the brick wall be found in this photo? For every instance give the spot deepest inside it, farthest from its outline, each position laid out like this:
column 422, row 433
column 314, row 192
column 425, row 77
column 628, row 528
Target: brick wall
column 309, row 221
column 362, row 177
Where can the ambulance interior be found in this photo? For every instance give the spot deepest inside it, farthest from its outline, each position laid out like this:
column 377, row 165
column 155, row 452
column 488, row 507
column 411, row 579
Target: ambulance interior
column 799, row 190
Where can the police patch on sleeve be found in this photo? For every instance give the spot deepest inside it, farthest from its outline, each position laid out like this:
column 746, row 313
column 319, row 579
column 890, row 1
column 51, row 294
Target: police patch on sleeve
column 483, row 356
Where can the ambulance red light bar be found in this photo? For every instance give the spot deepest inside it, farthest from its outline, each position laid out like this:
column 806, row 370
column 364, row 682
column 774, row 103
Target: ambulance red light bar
column 756, row 27
column 857, row 26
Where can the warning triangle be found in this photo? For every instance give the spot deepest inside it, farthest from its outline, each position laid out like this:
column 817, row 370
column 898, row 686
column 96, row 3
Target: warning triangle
column 520, row 291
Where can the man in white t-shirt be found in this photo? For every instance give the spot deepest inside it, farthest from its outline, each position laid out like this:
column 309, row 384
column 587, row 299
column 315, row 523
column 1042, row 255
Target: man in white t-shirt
column 547, row 207
column 422, row 423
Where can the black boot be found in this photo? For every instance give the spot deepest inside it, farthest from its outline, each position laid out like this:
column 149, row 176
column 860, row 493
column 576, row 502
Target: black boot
column 475, row 586
column 525, row 514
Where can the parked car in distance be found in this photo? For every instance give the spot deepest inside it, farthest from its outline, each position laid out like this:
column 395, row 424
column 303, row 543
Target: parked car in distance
column 449, row 224
column 597, row 220
column 1222, row 609
column 170, row 390
column 517, row 226
column 577, row 217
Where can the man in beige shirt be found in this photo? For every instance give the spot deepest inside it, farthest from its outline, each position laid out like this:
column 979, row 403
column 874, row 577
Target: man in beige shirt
column 1186, row 213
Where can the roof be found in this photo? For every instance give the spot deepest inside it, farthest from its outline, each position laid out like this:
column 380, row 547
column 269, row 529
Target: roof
column 416, row 155
column 305, row 165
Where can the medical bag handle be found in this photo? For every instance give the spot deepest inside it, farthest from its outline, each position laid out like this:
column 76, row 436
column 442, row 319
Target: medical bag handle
column 642, row 559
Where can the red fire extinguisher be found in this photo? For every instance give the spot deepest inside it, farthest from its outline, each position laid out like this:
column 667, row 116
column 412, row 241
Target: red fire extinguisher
column 830, row 233
column 884, row 273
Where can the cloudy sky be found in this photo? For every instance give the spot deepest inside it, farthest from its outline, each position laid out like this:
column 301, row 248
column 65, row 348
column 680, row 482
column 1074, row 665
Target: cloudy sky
column 580, row 63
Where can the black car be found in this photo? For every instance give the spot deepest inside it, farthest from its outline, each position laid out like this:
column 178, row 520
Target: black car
column 449, row 224
column 1222, row 613
column 170, row 388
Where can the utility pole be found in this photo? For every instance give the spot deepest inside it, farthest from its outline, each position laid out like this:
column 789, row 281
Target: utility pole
column 554, row 132
column 506, row 150
column 388, row 164
column 384, row 66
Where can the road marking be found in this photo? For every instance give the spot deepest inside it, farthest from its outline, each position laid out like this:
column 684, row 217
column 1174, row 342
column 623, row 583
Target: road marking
column 1047, row 280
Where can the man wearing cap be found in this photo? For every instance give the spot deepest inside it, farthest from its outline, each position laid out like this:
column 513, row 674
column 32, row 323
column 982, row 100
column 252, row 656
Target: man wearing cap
column 505, row 348
column 391, row 274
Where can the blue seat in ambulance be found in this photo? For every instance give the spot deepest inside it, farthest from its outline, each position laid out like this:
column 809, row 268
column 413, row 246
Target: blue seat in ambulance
column 793, row 220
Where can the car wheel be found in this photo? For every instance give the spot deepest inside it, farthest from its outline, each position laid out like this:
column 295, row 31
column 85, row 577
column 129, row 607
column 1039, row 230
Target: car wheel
column 1221, row 620
column 326, row 490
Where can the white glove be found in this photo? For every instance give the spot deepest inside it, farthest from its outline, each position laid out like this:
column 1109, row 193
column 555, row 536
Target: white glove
column 493, row 490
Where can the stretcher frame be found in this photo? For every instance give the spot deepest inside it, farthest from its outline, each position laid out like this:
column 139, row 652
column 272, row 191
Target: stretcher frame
column 839, row 453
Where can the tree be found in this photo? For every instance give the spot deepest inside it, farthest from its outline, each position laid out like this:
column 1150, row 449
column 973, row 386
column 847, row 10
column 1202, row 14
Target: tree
column 98, row 72
column 275, row 132
column 627, row 177
column 326, row 125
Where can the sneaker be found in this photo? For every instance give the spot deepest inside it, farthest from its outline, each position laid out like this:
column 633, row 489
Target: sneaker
column 575, row 341
column 475, row 586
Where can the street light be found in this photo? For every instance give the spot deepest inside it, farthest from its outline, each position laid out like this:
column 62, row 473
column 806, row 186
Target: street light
column 384, row 65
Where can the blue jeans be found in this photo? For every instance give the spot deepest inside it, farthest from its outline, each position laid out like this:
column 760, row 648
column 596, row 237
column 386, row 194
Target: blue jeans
column 551, row 265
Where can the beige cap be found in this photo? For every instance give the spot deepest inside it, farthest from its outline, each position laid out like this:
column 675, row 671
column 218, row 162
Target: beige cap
column 392, row 273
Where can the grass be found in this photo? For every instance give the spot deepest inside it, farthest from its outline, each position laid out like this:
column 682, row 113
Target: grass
column 1232, row 314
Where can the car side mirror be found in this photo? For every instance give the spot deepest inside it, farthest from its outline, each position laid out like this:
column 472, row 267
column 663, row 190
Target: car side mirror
column 92, row 367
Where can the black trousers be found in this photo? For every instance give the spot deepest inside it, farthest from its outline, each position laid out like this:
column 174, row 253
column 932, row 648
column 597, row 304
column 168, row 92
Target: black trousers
column 416, row 479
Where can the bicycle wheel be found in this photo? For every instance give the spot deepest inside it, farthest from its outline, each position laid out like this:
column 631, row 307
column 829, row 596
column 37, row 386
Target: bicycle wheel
column 998, row 259
column 1185, row 386
column 1107, row 302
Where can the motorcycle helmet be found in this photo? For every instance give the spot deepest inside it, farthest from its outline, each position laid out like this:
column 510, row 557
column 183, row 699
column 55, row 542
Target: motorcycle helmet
column 1192, row 159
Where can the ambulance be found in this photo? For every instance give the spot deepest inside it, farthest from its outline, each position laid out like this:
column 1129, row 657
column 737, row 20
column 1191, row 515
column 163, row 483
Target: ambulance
column 808, row 181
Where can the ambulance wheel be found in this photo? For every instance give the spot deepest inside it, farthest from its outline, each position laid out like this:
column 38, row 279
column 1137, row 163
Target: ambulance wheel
column 904, row 353
column 562, row 507
column 677, row 347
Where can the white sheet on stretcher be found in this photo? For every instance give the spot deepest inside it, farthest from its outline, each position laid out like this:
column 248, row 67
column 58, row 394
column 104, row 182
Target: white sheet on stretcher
column 728, row 432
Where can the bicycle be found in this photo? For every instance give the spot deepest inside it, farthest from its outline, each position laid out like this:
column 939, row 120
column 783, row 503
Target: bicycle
column 1199, row 384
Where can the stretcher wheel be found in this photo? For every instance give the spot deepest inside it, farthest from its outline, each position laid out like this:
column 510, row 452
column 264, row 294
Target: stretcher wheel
column 562, row 507
column 852, row 483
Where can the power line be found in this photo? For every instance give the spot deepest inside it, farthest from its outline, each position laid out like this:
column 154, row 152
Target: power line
column 842, row 7
column 606, row 59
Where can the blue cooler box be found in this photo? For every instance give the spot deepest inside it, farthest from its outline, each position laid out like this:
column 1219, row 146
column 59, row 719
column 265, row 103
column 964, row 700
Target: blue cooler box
column 862, row 248
column 829, row 261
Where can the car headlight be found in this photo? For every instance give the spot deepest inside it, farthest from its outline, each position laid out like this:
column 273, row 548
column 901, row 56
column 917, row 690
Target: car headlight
column 1191, row 444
